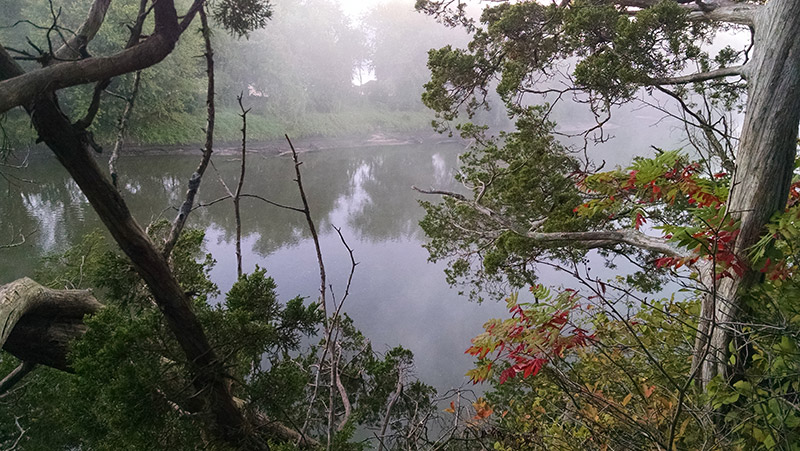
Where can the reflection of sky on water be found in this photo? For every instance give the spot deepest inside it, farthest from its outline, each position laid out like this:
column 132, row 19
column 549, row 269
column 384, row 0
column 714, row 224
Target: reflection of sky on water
column 353, row 202
column 48, row 216
column 397, row 297
column 441, row 173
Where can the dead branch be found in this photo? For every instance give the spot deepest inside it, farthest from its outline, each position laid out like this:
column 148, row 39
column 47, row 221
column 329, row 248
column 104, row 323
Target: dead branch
column 121, row 127
column 39, row 323
column 197, row 176
column 72, row 48
column 21, row 88
column 16, row 375
column 237, row 195
column 701, row 76
column 388, row 415
column 311, row 227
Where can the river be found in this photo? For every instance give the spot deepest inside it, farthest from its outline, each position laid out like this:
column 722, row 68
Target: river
column 397, row 296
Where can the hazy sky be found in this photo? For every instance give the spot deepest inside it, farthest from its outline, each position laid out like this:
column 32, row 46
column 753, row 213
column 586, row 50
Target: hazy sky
column 354, row 8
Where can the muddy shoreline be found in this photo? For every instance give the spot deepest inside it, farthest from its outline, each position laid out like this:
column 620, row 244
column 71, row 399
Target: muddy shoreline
column 304, row 144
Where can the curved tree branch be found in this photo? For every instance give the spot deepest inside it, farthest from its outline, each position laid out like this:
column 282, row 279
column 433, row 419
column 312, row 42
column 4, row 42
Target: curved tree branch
column 71, row 49
column 716, row 10
column 38, row 323
column 701, row 76
column 208, row 148
column 727, row 11
column 590, row 239
column 16, row 375
column 21, row 88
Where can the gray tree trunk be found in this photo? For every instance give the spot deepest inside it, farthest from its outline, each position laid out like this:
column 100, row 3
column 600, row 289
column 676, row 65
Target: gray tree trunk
column 764, row 165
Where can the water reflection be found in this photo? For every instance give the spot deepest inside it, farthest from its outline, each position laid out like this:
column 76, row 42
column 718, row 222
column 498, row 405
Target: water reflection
column 397, row 297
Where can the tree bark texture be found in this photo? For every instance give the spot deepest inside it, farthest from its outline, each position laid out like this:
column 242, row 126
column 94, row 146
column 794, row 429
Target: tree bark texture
column 764, row 164
column 35, row 90
column 39, row 323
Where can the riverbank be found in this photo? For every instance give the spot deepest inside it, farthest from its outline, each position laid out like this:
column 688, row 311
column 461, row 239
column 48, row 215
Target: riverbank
column 303, row 144
column 355, row 127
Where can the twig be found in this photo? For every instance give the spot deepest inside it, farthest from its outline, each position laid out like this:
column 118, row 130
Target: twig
column 22, row 238
column 237, row 195
column 22, row 432
column 194, row 180
column 392, row 400
column 16, row 375
column 312, row 228
column 121, row 127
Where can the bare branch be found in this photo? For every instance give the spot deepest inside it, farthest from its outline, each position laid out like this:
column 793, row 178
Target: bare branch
column 121, row 127
column 21, row 88
column 715, row 10
column 728, row 11
column 339, row 385
column 72, row 49
column 263, row 199
column 22, row 432
column 348, row 409
column 238, row 194
column 26, row 305
column 197, row 176
column 208, row 204
column 607, row 238
column 387, row 416
column 701, row 76
column 22, row 238
column 15, row 376
column 311, row 227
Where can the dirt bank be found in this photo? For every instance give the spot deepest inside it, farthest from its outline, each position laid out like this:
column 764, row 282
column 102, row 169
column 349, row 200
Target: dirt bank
column 305, row 144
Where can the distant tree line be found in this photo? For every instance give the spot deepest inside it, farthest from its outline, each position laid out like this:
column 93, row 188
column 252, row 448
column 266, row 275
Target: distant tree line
column 312, row 70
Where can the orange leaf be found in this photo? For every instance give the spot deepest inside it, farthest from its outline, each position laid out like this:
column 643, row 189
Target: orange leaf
column 648, row 390
column 627, row 399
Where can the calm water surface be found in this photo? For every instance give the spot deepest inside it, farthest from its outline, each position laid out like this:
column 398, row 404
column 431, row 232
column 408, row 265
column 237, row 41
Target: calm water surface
column 397, row 296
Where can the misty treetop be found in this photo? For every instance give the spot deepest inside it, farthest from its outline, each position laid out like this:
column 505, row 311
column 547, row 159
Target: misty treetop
column 298, row 66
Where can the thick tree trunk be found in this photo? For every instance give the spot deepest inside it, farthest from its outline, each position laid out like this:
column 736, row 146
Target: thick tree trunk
column 764, row 165
column 39, row 323
column 210, row 377
column 69, row 144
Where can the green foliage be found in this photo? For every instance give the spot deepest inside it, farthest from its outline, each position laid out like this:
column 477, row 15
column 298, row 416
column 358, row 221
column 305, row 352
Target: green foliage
column 614, row 368
column 525, row 178
column 240, row 17
column 629, row 384
column 524, row 45
column 609, row 394
column 130, row 388
column 625, row 388
column 302, row 87
column 371, row 381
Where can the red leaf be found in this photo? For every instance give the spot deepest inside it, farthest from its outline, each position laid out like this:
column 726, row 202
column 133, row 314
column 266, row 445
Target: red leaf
column 640, row 220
